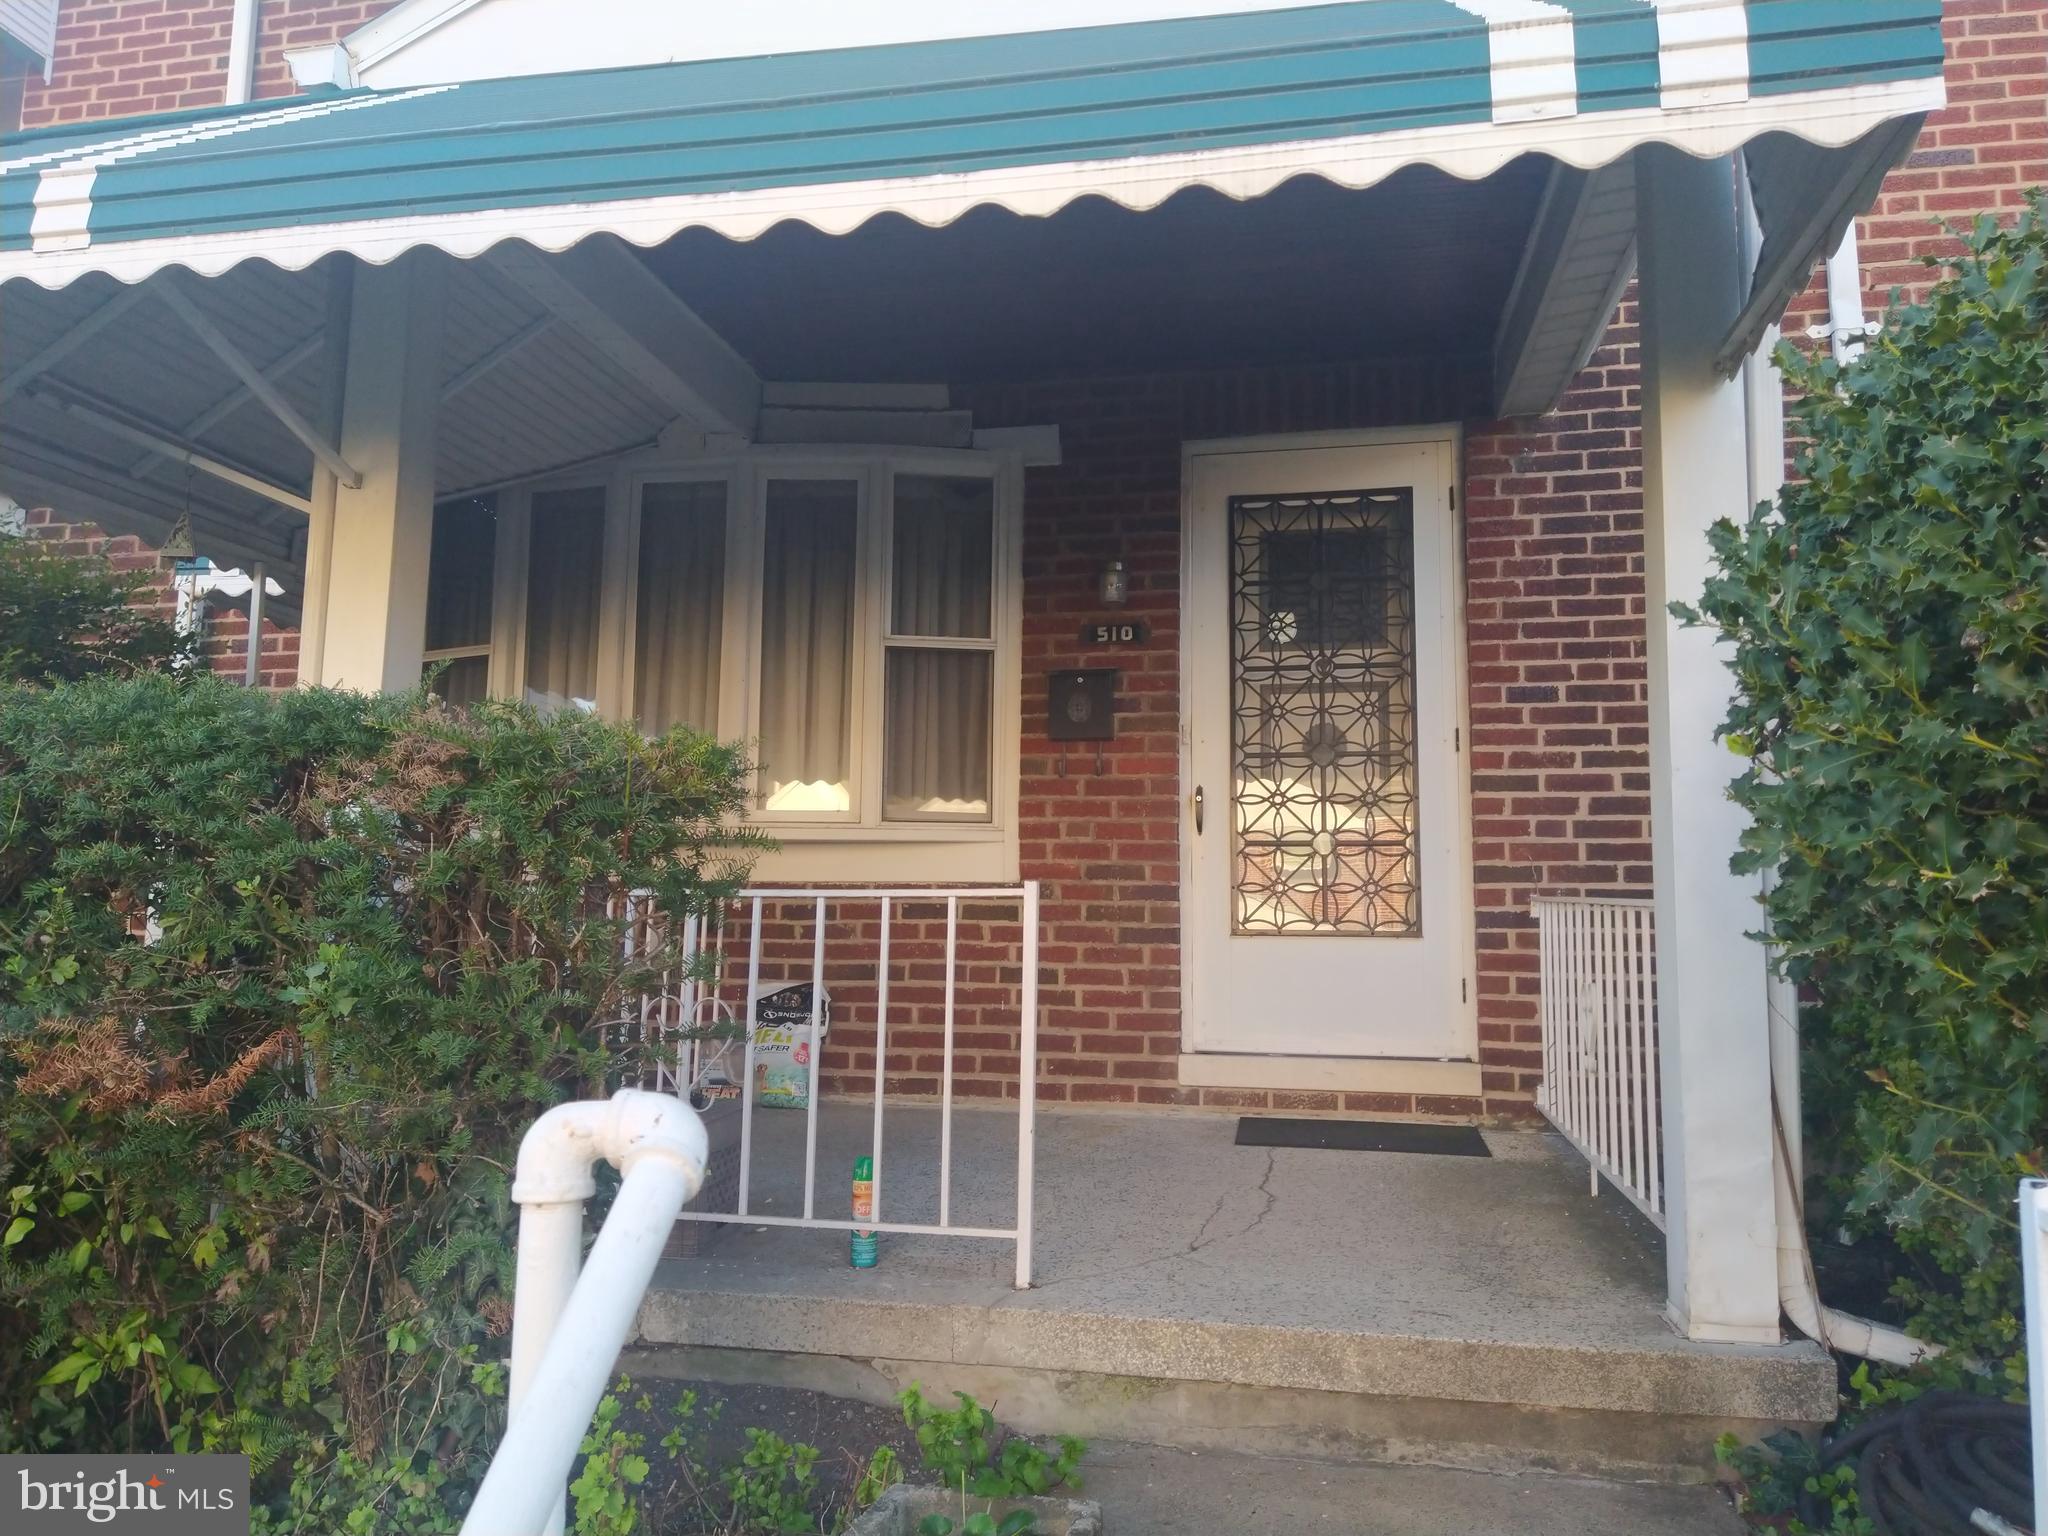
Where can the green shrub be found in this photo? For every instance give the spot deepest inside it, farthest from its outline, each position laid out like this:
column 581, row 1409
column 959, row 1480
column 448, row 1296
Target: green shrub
column 1890, row 639
column 282, row 981
column 64, row 617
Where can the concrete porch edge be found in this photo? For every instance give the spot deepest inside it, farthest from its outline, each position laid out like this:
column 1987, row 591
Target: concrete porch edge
column 1790, row 1383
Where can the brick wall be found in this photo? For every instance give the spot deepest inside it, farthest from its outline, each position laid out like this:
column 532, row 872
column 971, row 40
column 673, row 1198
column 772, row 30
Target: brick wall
column 1555, row 612
column 124, row 552
column 116, row 58
column 1977, row 155
column 227, row 649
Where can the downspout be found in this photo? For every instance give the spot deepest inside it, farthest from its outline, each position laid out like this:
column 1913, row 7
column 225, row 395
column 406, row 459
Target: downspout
column 242, row 52
column 1763, row 400
column 1846, row 327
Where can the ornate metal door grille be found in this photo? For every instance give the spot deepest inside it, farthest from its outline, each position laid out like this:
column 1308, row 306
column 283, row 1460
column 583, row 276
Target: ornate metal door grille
column 1323, row 705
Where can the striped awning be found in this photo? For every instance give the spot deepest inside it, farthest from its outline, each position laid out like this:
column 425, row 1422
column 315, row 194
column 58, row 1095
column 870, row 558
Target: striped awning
column 1134, row 112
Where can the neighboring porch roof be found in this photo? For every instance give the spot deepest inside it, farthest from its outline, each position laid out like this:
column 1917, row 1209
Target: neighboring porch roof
column 1134, row 112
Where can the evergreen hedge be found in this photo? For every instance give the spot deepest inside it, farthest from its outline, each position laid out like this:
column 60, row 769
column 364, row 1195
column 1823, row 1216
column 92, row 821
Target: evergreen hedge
column 282, row 981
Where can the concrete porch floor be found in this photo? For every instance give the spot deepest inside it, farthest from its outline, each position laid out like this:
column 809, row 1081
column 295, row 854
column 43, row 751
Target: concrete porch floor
column 1385, row 1306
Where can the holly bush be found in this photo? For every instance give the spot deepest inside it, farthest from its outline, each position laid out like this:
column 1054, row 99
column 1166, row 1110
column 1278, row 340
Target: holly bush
column 283, row 979
column 1888, row 629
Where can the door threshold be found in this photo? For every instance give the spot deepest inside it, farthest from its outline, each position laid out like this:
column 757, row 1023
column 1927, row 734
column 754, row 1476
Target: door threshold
column 1345, row 1074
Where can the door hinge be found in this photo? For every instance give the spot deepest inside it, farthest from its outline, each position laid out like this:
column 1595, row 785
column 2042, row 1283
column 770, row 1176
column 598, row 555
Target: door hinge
column 1457, row 738
column 1463, row 997
column 1452, row 490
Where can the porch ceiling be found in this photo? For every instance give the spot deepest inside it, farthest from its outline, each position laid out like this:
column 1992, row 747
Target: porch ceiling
column 1310, row 272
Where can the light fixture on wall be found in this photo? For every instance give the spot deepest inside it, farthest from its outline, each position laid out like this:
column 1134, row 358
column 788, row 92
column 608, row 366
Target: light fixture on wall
column 1116, row 584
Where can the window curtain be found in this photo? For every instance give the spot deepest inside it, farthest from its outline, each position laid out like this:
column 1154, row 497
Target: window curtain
column 938, row 700
column 936, row 762
column 681, row 605
column 943, row 556
column 807, row 588
column 564, row 585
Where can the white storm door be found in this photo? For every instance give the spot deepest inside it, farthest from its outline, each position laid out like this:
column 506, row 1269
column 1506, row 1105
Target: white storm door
column 1327, row 901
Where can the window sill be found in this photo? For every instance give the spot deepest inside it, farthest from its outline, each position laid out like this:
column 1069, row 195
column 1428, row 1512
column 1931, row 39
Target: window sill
column 814, row 855
column 888, row 832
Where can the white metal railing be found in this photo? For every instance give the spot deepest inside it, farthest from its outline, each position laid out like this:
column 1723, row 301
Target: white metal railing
column 1599, row 1017
column 698, row 1032
column 2034, row 1269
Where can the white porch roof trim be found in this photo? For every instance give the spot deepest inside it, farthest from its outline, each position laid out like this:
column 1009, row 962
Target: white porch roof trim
column 63, row 248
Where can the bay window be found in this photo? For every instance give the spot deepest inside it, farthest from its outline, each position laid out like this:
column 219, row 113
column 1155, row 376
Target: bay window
column 459, row 577
column 852, row 613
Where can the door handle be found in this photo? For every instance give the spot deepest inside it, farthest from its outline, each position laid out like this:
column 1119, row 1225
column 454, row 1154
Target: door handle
column 1198, row 810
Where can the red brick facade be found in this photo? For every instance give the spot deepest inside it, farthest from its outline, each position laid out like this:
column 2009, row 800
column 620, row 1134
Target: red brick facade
column 116, row 58
column 1552, row 518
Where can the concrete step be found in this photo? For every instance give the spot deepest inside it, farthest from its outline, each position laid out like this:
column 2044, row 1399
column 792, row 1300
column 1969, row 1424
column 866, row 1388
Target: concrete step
column 1477, row 1313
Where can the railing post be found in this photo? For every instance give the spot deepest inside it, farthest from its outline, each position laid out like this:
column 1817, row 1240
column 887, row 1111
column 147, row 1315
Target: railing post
column 1027, row 1087
column 881, row 1057
column 946, row 1069
column 747, row 1070
column 811, row 1098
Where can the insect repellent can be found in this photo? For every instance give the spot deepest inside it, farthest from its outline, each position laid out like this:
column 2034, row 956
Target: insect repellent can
column 862, row 1246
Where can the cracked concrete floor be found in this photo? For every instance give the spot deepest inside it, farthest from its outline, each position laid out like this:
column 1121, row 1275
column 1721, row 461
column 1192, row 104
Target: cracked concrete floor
column 1161, row 1215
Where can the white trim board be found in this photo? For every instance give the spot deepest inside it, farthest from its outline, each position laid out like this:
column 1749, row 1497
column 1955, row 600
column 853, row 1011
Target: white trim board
column 1330, row 1074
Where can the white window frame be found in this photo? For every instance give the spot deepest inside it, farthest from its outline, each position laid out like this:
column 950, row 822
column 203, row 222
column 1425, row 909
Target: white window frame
column 858, row 843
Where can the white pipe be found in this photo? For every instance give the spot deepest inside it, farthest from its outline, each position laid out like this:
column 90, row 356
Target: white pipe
column 565, row 1346
column 242, row 53
column 1798, row 1287
column 1846, row 327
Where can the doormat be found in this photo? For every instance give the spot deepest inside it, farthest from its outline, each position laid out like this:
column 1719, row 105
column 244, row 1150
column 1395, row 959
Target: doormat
column 1361, row 1136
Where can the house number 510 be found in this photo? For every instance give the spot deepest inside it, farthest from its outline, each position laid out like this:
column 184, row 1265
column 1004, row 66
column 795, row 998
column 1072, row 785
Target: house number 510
column 1119, row 632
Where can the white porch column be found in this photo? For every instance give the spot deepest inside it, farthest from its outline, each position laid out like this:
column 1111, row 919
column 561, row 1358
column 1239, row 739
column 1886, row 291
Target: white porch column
column 375, row 613
column 1721, row 1231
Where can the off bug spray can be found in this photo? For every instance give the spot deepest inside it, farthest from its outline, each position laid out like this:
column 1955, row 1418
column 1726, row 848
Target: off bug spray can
column 862, row 1245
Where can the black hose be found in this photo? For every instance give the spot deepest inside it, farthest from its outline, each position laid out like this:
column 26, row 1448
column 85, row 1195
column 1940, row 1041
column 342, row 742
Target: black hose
column 1925, row 1467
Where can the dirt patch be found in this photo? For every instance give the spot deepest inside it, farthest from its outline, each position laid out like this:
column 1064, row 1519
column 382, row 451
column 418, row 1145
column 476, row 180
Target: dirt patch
column 693, row 1500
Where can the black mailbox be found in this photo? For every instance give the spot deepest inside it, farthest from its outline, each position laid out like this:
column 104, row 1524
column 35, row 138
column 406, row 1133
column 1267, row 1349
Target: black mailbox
column 1081, row 704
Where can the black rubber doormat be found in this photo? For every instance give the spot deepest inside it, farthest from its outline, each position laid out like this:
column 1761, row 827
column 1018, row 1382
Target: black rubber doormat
column 1361, row 1136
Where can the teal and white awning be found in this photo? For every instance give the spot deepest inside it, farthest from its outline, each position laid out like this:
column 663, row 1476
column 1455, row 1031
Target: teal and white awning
column 1134, row 112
